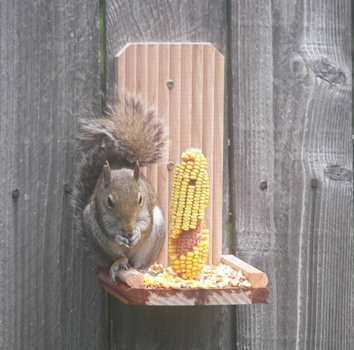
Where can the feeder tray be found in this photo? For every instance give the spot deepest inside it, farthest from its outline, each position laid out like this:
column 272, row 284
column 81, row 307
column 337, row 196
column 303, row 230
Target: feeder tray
column 133, row 292
column 184, row 82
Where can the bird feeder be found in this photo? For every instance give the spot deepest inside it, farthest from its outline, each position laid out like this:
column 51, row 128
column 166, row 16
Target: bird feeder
column 184, row 82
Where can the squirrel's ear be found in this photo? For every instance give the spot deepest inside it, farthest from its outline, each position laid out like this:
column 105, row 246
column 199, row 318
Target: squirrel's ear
column 106, row 174
column 136, row 171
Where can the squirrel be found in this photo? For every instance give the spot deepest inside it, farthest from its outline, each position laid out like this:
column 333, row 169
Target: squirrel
column 117, row 206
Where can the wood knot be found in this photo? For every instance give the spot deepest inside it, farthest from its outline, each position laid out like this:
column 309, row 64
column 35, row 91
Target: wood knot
column 328, row 71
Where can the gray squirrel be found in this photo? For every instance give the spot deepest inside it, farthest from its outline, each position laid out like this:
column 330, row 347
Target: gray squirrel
column 116, row 205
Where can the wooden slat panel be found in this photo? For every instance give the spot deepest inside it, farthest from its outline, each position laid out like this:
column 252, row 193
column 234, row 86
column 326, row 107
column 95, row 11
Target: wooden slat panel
column 291, row 124
column 163, row 108
column 120, row 65
column 130, row 70
column 186, row 96
column 218, row 154
column 208, row 135
column 49, row 295
column 174, row 115
column 252, row 162
column 198, row 98
column 197, row 73
column 141, row 71
column 152, row 67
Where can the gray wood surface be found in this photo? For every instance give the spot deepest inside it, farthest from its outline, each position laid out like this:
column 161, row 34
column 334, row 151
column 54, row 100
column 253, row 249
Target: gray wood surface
column 288, row 100
column 291, row 105
column 49, row 295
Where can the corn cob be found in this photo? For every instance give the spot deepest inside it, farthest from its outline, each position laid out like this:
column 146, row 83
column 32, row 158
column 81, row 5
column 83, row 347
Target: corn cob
column 188, row 237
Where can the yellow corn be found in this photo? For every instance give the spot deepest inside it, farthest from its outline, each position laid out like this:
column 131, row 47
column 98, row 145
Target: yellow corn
column 188, row 238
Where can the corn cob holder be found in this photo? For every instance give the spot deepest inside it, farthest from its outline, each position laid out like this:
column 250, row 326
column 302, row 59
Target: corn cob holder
column 188, row 238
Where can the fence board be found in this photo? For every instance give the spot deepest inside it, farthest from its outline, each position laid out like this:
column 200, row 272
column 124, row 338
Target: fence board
column 182, row 21
column 291, row 104
column 49, row 296
column 252, row 161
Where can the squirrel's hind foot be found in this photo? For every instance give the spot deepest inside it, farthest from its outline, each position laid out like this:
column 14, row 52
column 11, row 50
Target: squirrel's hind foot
column 119, row 264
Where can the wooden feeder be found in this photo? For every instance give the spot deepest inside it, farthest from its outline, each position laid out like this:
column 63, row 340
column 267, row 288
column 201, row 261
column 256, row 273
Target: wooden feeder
column 185, row 83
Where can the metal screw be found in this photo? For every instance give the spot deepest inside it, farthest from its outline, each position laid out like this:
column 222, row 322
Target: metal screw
column 15, row 194
column 314, row 183
column 170, row 84
column 170, row 165
column 263, row 185
column 68, row 188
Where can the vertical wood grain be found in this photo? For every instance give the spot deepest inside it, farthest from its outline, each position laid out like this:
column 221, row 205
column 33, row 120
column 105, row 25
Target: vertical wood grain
column 186, row 96
column 170, row 327
column 152, row 60
column 197, row 87
column 119, row 69
column 292, row 129
column 208, row 137
column 252, row 162
column 218, row 152
column 49, row 295
column 326, row 245
column 164, row 107
column 130, row 71
column 174, row 114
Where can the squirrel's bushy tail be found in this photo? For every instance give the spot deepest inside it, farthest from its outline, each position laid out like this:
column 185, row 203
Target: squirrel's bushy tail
column 127, row 134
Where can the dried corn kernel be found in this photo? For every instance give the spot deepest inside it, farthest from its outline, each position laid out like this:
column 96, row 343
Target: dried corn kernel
column 219, row 276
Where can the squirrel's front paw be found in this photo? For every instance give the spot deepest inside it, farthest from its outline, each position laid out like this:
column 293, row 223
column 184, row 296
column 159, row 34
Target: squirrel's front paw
column 131, row 240
column 135, row 237
column 119, row 264
column 122, row 240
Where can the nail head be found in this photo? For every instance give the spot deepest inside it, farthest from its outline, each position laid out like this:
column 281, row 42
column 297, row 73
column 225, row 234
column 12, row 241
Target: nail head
column 263, row 185
column 170, row 84
column 314, row 183
column 68, row 188
column 170, row 165
column 15, row 193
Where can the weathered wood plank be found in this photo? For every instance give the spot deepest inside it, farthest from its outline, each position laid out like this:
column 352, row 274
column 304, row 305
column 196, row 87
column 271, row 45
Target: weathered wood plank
column 326, row 250
column 181, row 21
column 292, row 128
column 170, row 327
column 49, row 297
column 252, row 161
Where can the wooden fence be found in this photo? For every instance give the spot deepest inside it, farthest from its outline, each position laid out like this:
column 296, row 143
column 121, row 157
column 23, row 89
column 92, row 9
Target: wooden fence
column 287, row 174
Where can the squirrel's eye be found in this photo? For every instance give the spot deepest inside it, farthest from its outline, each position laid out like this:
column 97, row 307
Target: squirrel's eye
column 140, row 199
column 110, row 202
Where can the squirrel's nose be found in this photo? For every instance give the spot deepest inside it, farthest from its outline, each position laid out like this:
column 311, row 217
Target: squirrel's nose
column 127, row 229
